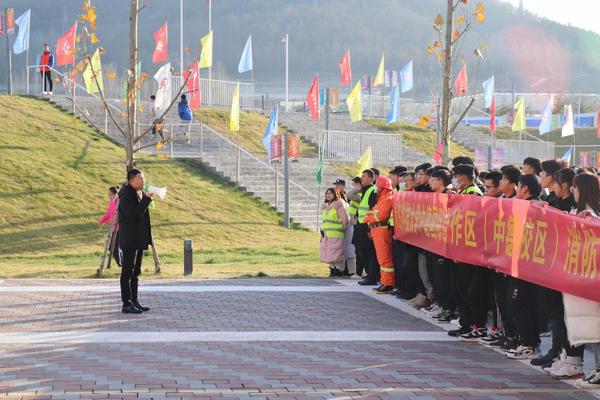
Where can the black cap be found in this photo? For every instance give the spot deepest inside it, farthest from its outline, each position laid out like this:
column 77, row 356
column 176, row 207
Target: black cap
column 464, row 169
column 339, row 182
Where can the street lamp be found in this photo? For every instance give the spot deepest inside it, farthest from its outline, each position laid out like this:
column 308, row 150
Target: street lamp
column 286, row 40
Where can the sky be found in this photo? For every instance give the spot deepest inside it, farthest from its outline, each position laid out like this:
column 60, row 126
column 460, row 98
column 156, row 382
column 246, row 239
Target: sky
column 580, row 13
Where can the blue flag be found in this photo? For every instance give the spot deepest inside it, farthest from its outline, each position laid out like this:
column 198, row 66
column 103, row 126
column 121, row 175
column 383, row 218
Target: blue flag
column 406, row 77
column 546, row 122
column 271, row 130
column 246, row 59
column 394, row 115
column 567, row 156
column 488, row 92
column 22, row 40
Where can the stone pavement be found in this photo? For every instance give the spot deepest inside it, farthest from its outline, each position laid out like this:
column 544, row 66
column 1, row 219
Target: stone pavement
column 243, row 339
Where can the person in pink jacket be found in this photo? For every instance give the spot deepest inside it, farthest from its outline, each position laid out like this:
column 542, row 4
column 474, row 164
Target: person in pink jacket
column 110, row 218
column 335, row 219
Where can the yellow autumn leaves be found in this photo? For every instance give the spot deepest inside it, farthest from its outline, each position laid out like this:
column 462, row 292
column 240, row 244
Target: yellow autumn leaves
column 462, row 25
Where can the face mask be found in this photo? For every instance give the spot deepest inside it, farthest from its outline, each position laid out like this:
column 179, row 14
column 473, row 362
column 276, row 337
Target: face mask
column 402, row 186
column 455, row 183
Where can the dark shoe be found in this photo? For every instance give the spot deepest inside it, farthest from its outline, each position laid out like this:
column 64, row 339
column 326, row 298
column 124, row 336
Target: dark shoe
column 403, row 295
column 510, row 343
column 474, row 335
column 365, row 282
column 384, row 290
column 140, row 307
column 459, row 331
column 130, row 309
column 545, row 359
column 331, row 272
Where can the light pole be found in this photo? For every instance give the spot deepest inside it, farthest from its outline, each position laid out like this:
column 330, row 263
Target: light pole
column 286, row 40
column 210, row 68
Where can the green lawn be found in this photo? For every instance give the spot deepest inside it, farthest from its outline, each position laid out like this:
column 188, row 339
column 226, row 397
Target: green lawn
column 252, row 128
column 418, row 137
column 54, row 172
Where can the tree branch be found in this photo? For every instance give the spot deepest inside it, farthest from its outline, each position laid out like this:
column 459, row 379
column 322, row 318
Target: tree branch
column 451, row 131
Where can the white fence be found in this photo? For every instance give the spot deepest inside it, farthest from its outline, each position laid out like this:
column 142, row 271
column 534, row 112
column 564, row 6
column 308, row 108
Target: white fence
column 515, row 151
column 219, row 93
column 349, row 146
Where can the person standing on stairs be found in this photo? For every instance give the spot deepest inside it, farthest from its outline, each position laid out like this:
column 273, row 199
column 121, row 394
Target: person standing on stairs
column 185, row 113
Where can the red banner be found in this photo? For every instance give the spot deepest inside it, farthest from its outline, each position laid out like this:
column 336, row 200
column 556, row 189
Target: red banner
column 65, row 47
column 193, row 85
column 313, row 99
column 345, row 69
column 537, row 244
column 10, row 21
column 461, row 86
column 161, row 46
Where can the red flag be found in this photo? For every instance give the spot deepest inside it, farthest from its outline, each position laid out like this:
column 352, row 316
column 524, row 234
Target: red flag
column 598, row 131
column 345, row 69
column 1, row 23
column 161, row 45
column 193, row 85
column 437, row 156
column 313, row 99
column 65, row 46
column 493, row 115
column 460, row 84
column 10, row 21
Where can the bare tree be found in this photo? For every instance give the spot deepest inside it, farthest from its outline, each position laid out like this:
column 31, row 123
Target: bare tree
column 132, row 134
column 450, row 33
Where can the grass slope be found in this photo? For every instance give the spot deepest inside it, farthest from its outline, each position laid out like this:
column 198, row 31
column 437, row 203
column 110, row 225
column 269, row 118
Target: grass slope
column 54, row 172
column 418, row 137
column 252, row 128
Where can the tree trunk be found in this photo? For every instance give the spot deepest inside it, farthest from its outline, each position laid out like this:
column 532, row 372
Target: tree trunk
column 133, row 57
column 447, row 79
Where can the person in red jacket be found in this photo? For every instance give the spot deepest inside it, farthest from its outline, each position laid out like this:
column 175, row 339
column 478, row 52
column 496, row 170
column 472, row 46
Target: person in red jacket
column 46, row 64
column 377, row 219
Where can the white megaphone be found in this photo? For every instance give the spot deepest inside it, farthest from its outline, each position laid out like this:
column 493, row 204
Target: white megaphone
column 161, row 192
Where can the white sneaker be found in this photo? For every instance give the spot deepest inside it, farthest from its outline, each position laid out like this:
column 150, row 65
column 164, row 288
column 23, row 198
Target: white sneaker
column 50, row 93
column 556, row 365
column 567, row 370
column 432, row 310
column 522, row 353
column 44, row 92
column 592, row 381
column 354, row 276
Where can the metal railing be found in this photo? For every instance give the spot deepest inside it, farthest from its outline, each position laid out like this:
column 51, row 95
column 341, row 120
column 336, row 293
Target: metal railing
column 349, row 146
column 515, row 151
column 219, row 93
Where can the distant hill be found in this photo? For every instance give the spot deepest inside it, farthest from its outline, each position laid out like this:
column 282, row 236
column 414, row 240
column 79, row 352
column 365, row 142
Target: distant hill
column 533, row 53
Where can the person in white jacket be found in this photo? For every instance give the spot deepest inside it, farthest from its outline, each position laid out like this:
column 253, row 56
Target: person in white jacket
column 582, row 316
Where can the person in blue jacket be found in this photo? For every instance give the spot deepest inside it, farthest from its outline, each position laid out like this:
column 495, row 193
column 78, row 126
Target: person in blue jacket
column 185, row 113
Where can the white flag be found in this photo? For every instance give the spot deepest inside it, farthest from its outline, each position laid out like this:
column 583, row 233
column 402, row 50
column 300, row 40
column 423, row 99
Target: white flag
column 164, row 94
column 568, row 128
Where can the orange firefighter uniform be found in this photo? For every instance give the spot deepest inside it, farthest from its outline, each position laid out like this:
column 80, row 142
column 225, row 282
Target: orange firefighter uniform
column 377, row 219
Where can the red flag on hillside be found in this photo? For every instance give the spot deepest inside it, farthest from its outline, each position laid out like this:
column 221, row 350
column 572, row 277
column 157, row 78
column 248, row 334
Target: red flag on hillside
column 598, row 131
column 460, row 84
column 493, row 115
column 161, row 45
column 313, row 99
column 1, row 23
column 65, row 47
column 345, row 69
column 437, row 155
column 193, row 86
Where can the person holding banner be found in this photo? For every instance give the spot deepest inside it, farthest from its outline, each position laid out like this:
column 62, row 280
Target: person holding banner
column 582, row 316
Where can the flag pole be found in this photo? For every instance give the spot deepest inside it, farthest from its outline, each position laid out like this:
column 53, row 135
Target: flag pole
column 181, row 37
column 27, row 69
column 210, row 67
column 9, row 58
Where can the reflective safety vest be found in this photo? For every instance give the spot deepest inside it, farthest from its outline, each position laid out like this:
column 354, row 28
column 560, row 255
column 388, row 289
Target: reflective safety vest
column 473, row 189
column 391, row 220
column 363, row 207
column 332, row 224
column 353, row 207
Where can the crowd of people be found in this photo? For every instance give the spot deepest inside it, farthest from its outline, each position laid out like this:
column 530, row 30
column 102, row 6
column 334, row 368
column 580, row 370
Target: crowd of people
column 357, row 241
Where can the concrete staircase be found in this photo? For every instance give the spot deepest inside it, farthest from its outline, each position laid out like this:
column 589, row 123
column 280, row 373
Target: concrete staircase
column 310, row 130
column 219, row 154
column 471, row 137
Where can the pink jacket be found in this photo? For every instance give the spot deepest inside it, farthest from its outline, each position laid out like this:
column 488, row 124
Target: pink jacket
column 110, row 214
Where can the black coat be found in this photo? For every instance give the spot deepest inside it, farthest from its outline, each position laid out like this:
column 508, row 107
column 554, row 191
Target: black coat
column 134, row 220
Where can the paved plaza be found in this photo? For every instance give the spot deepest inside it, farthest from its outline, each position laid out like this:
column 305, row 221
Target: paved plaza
column 243, row 339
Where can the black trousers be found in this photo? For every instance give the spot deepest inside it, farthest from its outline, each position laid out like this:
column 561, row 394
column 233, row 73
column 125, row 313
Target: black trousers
column 523, row 305
column 478, row 295
column 132, row 267
column 46, row 80
column 117, row 251
column 411, row 266
column 442, row 282
column 501, row 295
column 366, row 251
column 555, row 311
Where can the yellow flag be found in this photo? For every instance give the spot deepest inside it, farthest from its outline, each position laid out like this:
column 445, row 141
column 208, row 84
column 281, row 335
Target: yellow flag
column 88, row 75
column 378, row 81
column 207, row 51
column 365, row 161
column 234, row 119
column 519, row 118
column 354, row 103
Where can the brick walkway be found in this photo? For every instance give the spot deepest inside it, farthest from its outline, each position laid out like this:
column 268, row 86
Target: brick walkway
column 243, row 339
